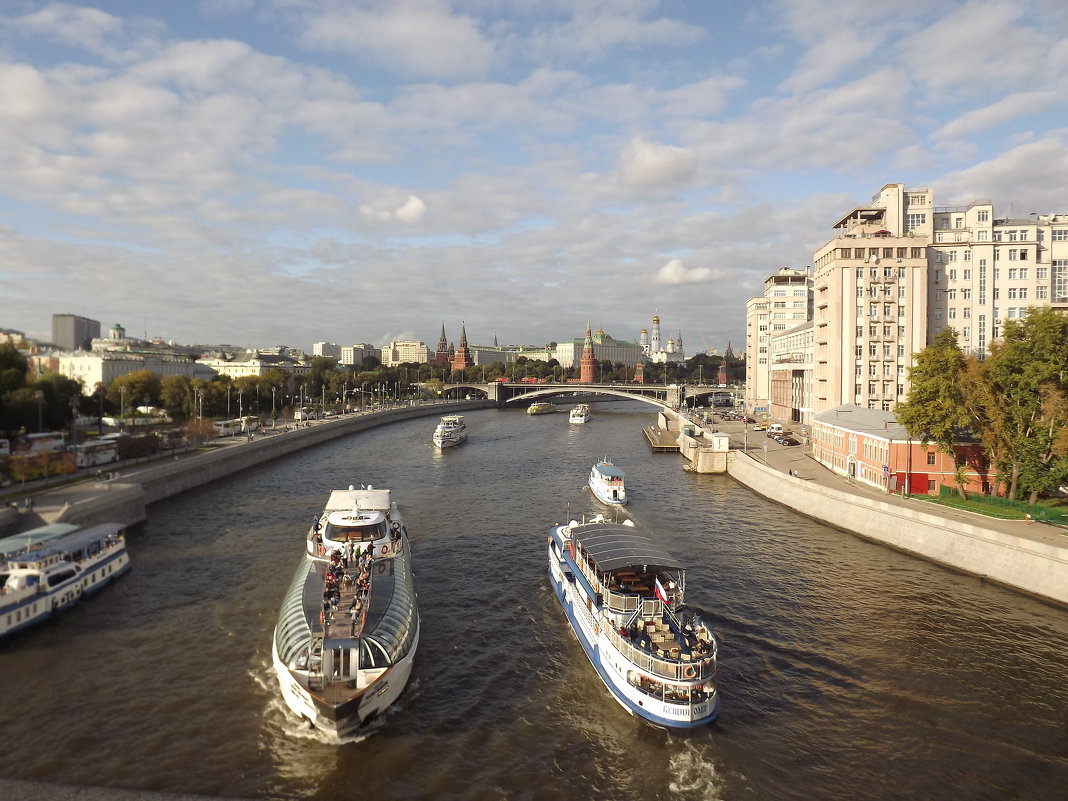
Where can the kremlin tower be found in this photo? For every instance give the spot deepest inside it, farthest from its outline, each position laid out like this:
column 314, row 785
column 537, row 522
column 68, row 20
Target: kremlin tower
column 588, row 363
column 462, row 359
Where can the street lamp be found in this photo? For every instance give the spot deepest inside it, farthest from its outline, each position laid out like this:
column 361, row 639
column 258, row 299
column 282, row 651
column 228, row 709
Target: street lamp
column 122, row 406
column 274, row 417
column 40, row 414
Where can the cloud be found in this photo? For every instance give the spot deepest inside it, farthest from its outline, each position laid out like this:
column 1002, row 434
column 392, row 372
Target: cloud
column 674, row 273
column 415, row 37
column 649, row 165
column 112, row 38
column 1007, row 109
column 410, row 211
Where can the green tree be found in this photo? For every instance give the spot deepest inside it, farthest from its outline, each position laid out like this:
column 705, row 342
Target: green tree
column 134, row 389
column 176, row 396
column 935, row 410
column 1028, row 373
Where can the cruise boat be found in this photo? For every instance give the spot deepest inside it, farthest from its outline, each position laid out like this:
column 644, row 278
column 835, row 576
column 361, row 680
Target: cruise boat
column 348, row 628
column 580, row 414
column 541, row 407
column 48, row 569
column 624, row 597
column 606, row 481
column 451, row 430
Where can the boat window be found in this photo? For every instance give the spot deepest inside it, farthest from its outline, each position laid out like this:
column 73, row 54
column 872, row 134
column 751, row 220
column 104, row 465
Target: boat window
column 292, row 635
column 61, row 576
column 355, row 533
column 372, row 655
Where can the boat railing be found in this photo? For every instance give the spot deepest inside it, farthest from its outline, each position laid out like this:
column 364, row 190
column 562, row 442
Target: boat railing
column 676, row 670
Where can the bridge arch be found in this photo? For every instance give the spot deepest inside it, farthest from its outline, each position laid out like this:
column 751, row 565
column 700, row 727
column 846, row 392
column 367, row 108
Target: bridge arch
column 528, row 394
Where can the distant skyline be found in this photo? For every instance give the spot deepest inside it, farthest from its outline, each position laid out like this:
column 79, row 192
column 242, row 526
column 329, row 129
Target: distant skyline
column 262, row 172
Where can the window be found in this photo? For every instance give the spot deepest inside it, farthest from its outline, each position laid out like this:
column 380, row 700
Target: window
column 914, row 221
column 953, row 256
column 1012, row 254
column 1059, row 235
column 901, row 311
column 1023, row 254
column 982, row 236
column 858, row 350
column 901, row 253
column 901, row 353
column 915, row 253
column 1042, row 273
column 1012, row 273
column 1012, row 293
column 1023, row 293
column 930, row 457
column 952, row 312
column 966, row 294
column 984, row 216
column 967, row 257
column 900, row 390
column 968, row 275
column 1012, row 236
column 951, row 294
column 1023, row 273
column 1041, row 293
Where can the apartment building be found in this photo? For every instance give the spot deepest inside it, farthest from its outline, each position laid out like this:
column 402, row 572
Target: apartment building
column 354, row 355
column 785, row 305
column 326, row 349
column 405, row 353
column 901, row 269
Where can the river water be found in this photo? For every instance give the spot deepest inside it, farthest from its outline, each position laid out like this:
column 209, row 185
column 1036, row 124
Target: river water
column 848, row 671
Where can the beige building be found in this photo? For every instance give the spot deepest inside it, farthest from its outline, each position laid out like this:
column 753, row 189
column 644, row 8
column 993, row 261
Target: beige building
column 355, row 354
column 102, row 367
column 785, row 305
column 791, row 360
column 256, row 362
column 405, row 353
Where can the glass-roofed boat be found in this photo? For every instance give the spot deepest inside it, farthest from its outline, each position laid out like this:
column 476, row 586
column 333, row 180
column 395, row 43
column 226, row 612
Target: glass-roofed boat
column 348, row 627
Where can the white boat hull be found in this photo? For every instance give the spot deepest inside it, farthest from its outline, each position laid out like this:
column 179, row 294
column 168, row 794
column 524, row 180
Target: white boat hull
column 378, row 698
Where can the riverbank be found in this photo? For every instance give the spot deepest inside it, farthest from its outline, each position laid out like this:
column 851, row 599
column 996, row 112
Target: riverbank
column 124, row 496
column 1026, row 556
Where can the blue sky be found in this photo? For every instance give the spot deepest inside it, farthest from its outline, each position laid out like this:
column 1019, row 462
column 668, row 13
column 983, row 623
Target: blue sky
column 263, row 172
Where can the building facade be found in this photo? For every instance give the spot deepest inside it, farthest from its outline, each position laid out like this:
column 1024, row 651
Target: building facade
column 71, row 332
column 785, row 305
column 102, row 367
column 326, row 349
column 870, row 447
column 404, row 353
column 605, row 348
column 353, row 355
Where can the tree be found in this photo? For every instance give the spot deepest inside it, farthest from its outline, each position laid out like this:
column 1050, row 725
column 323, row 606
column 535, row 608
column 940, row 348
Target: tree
column 176, row 395
column 1028, row 374
column 134, row 389
column 935, row 411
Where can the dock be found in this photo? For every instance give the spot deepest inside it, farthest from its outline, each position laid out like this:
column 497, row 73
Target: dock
column 661, row 440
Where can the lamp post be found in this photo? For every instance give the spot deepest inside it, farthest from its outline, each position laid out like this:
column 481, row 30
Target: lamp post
column 241, row 403
column 227, row 401
column 122, row 406
column 274, row 417
column 40, row 414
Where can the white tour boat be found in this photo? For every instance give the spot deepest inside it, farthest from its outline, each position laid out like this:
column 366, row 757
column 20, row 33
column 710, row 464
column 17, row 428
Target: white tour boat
column 348, row 628
column 47, row 569
column 580, row 414
column 624, row 597
column 606, row 481
column 541, row 407
column 451, row 430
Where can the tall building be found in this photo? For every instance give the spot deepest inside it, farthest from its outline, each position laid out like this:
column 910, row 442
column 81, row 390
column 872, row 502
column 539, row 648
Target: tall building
column 71, row 332
column 900, row 269
column 785, row 305
column 404, row 352
column 326, row 349
column 353, row 355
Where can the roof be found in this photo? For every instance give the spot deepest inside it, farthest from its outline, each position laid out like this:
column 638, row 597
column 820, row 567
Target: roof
column 614, row 546
column 863, row 421
column 609, row 469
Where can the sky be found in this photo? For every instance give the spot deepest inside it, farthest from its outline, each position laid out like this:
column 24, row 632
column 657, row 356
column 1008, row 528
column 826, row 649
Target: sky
column 284, row 172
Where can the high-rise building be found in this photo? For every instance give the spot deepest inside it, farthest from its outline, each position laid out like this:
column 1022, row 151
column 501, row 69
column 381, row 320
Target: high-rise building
column 326, row 349
column 785, row 305
column 71, row 332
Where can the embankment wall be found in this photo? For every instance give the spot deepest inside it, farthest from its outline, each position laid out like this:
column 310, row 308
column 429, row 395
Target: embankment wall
column 1034, row 567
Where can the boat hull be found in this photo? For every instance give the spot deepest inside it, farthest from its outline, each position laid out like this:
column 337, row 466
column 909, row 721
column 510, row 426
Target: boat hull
column 347, row 718
column 28, row 612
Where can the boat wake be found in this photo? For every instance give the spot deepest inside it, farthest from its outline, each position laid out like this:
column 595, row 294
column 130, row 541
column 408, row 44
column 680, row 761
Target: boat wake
column 693, row 776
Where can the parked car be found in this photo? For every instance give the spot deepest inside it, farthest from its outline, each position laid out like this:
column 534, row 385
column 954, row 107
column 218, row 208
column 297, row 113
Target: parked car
column 759, row 427
column 787, row 440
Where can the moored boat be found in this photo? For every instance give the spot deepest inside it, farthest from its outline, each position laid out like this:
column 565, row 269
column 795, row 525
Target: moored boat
column 348, row 628
column 607, row 483
column 451, row 430
column 580, row 414
column 624, row 597
column 541, row 407
column 48, row 569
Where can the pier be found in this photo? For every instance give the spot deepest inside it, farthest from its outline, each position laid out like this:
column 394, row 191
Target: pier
column 661, row 440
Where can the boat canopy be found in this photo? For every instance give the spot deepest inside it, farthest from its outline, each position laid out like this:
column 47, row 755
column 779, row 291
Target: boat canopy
column 72, row 543
column 28, row 540
column 610, row 470
column 613, row 547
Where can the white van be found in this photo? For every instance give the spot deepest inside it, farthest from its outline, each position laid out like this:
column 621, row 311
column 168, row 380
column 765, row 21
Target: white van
column 775, row 428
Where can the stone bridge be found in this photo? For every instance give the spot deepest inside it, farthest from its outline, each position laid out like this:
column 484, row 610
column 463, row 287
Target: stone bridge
column 670, row 396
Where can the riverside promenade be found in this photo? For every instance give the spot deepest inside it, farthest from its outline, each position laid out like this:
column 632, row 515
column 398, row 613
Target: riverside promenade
column 1030, row 557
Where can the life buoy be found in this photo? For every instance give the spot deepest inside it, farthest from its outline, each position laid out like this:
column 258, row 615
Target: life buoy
column 596, row 629
column 385, row 549
column 322, row 550
column 395, row 527
column 689, row 671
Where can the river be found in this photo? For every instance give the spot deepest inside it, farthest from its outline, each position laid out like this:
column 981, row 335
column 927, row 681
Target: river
column 847, row 670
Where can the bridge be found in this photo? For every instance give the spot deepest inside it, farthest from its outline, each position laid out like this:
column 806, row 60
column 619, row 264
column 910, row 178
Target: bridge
column 670, row 396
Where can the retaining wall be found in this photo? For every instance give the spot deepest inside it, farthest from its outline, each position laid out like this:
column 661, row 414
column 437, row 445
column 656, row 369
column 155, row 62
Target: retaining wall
column 1037, row 568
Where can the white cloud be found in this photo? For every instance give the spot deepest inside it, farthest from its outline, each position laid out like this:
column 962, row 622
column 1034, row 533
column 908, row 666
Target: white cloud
column 1007, row 109
column 411, row 210
column 649, row 165
column 675, row 273
column 417, row 37
column 113, row 38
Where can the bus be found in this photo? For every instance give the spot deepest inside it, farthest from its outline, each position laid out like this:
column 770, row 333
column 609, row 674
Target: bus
column 239, row 425
column 47, row 442
column 96, row 452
